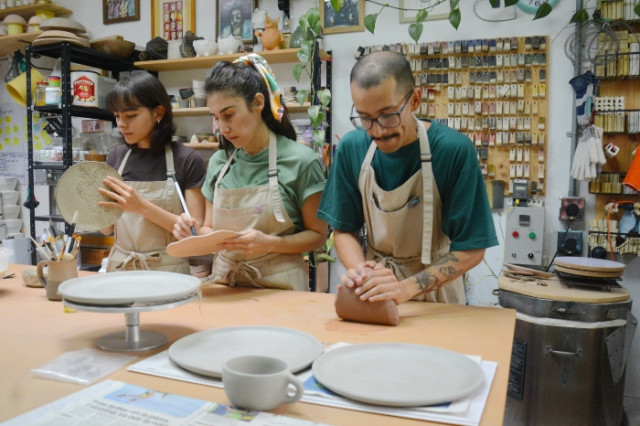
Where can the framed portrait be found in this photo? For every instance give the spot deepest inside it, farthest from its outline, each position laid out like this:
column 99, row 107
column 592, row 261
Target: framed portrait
column 114, row 11
column 171, row 19
column 349, row 18
column 234, row 18
column 440, row 11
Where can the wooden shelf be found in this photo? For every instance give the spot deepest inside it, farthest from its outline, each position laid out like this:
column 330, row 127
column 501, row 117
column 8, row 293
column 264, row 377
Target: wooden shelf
column 204, row 111
column 28, row 11
column 201, row 145
column 11, row 43
column 272, row 57
column 191, row 112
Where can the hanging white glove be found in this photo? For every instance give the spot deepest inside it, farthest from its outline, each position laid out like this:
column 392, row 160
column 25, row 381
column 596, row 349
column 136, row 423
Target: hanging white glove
column 581, row 167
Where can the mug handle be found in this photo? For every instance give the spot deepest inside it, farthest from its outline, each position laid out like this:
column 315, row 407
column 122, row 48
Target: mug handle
column 293, row 380
column 40, row 273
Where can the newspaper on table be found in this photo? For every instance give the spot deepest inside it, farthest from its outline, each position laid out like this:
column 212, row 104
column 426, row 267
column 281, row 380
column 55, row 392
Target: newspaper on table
column 467, row 411
column 113, row 402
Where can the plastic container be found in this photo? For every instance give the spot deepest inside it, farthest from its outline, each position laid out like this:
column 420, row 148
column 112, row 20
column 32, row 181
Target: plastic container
column 39, row 97
column 84, row 87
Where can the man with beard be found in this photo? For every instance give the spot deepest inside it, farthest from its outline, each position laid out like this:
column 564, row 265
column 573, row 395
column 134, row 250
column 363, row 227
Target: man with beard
column 415, row 185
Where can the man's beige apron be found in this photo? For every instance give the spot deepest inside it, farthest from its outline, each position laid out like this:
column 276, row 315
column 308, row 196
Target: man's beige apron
column 404, row 230
column 260, row 208
column 140, row 243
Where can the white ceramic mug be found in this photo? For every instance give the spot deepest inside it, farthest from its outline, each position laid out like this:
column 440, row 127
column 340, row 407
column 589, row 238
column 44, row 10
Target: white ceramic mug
column 255, row 382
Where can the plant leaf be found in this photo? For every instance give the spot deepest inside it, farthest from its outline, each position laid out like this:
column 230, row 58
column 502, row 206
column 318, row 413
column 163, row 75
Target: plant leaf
column 422, row 15
column 324, row 256
column 544, row 9
column 337, row 4
column 301, row 96
column 454, row 4
column 318, row 137
column 324, row 96
column 297, row 70
column 636, row 9
column 508, row 3
column 370, row 22
column 580, row 16
column 314, row 112
column 454, row 18
column 415, row 31
column 495, row 3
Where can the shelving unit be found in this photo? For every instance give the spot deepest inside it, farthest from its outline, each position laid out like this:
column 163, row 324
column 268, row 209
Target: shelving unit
column 68, row 53
column 11, row 43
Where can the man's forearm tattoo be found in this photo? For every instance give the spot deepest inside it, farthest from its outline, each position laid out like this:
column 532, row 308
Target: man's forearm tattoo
column 428, row 281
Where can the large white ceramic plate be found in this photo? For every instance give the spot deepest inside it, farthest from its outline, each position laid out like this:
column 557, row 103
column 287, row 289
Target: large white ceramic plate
column 128, row 287
column 206, row 352
column 77, row 189
column 200, row 244
column 398, row 375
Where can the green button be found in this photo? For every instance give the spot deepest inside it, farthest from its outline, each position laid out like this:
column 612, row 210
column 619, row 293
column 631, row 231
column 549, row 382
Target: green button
column 532, row 235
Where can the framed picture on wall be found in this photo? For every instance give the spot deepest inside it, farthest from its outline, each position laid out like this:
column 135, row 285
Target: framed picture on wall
column 171, row 19
column 234, row 18
column 350, row 17
column 409, row 10
column 114, row 11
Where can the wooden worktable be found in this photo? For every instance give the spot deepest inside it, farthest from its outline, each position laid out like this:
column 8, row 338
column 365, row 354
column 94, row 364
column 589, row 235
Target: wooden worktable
column 34, row 330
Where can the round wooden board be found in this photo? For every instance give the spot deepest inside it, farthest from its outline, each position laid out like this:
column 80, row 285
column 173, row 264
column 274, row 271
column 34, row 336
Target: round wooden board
column 590, row 264
column 590, row 274
column 555, row 290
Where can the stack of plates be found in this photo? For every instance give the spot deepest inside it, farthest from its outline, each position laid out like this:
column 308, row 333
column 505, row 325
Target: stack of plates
column 62, row 29
column 55, row 36
column 587, row 267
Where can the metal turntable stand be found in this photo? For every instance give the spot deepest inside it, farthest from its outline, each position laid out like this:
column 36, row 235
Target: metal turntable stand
column 132, row 338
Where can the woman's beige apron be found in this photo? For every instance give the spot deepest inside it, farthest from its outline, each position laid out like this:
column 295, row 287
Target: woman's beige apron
column 140, row 243
column 260, row 208
column 404, row 230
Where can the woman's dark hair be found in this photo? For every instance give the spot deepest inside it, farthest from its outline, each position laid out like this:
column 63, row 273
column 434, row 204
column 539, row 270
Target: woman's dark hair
column 240, row 79
column 142, row 90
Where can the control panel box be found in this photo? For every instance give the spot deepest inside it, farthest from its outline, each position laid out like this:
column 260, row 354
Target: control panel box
column 524, row 236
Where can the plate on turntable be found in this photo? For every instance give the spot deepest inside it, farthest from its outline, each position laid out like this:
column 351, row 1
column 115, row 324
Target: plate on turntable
column 397, row 374
column 77, row 189
column 590, row 264
column 126, row 288
column 200, row 244
column 206, row 352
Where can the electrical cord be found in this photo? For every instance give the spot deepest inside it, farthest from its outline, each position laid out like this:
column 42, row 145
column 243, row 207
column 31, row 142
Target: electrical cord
column 564, row 237
column 475, row 12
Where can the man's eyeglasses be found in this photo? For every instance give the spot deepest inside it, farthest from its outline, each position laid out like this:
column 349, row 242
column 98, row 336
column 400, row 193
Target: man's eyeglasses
column 388, row 120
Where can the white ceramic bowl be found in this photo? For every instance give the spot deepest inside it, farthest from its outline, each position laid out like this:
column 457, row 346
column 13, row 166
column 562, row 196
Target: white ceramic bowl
column 10, row 211
column 5, row 256
column 8, row 183
column 12, row 225
column 9, row 197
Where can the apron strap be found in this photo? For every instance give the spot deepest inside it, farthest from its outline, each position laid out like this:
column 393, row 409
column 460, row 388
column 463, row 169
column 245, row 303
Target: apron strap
column 427, row 197
column 168, row 158
column 225, row 168
column 138, row 259
column 273, row 178
column 124, row 161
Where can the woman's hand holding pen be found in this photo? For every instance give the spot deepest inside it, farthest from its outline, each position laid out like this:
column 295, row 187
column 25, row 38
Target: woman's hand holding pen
column 124, row 196
column 182, row 227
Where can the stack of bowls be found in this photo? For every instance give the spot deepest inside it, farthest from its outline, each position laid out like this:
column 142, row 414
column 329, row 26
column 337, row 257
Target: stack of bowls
column 10, row 224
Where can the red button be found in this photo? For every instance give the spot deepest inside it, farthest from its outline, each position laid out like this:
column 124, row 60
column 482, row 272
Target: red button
column 515, row 234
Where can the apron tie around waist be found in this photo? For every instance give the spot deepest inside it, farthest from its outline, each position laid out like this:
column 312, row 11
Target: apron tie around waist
column 240, row 269
column 137, row 259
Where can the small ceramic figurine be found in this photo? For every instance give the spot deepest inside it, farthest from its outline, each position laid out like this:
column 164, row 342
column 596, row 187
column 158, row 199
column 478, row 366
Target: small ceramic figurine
column 258, row 19
column 229, row 45
column 205, row 47
column 271, row 36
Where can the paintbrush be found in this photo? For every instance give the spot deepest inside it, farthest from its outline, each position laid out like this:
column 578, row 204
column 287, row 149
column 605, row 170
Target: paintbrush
column 184, row 206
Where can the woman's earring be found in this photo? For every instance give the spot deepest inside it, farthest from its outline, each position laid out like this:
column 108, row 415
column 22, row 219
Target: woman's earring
column 158, row 122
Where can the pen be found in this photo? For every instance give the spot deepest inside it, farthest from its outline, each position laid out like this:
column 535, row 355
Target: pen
column 184, row 207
